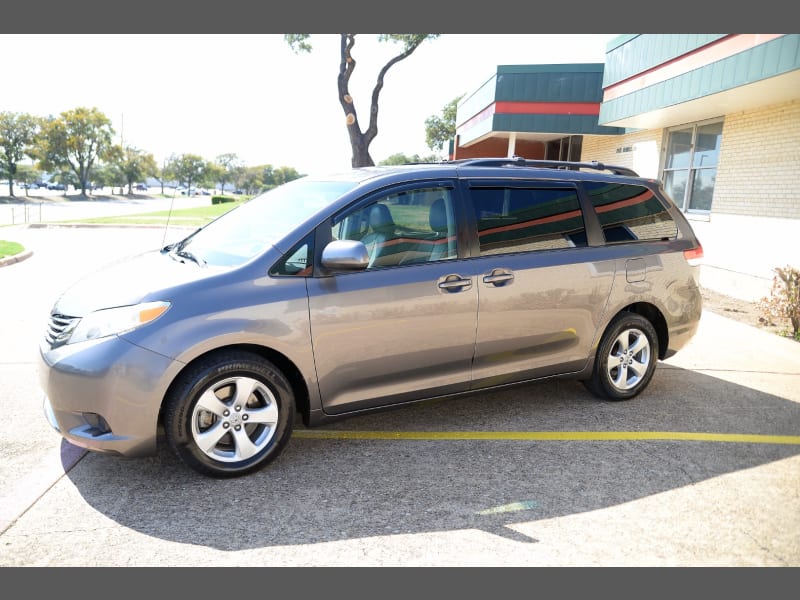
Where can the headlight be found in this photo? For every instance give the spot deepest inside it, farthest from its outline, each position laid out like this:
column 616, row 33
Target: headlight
column 111, row 321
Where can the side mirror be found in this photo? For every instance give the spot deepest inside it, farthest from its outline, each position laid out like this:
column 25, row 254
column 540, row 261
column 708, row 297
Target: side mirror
column 345, row 255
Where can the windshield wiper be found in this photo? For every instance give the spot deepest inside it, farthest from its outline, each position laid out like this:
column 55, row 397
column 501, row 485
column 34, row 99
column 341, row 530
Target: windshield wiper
column 191, row 256
column 180, row 243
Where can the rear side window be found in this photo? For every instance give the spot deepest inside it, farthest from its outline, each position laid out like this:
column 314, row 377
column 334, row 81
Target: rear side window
column 518, row 219
column 630, row 213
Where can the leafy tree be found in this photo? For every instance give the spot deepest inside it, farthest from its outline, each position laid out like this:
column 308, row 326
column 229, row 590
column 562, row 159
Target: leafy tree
column 214, row 173
column 265, row 177
column 440, row 130
column 27, row 174
column 224, row 168
column 75, row 141
column 104, row 175
column 186, row 169
column 65, row 177
column 161, row 176
column 17, row 133
column 283, row 175
column 402, row 159
column 252, row 179
column 361, row 140
column 238, row 175
column 135, row 165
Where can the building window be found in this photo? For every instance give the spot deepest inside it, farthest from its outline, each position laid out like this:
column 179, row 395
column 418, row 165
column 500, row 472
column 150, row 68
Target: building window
column 568, row 148
column 690, row 165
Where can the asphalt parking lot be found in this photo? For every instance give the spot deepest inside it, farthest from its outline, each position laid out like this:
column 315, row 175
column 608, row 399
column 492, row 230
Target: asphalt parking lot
column 703, row 469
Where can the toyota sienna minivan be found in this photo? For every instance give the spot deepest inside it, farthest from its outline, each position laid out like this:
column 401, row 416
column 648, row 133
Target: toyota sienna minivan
column 333, row 296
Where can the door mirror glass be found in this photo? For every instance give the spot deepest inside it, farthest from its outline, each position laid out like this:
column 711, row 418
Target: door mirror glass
column 345, row 255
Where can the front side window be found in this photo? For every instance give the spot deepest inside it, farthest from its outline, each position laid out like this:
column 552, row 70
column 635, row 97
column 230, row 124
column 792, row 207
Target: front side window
column 518, row 219
column 690, row 167
column 630, row 213
column 298, row 262
column 403, row 227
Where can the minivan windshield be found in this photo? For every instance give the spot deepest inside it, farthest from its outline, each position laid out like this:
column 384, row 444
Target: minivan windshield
column 247, row 230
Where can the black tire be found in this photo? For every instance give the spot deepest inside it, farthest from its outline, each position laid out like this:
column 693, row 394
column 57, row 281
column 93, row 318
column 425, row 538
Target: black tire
column 225, row 436
column 626, row 358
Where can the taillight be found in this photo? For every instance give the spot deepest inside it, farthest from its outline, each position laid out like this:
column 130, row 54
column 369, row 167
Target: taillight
column 694, row 256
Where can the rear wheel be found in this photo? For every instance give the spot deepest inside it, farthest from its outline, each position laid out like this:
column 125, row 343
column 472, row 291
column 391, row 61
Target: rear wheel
column 229, row 414
column 626, row 358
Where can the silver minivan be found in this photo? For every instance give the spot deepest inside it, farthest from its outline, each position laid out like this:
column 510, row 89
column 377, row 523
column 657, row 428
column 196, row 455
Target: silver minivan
column 332, row 296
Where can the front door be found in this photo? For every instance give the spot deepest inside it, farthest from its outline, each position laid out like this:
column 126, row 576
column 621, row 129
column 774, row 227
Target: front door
column 404, row 328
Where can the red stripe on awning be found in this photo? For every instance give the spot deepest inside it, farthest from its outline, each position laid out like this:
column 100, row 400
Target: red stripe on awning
column 548, row 108
column 700, row 57
column 531, row 108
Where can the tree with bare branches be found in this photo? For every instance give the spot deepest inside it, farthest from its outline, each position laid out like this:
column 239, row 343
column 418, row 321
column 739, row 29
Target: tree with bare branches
column 361, row 140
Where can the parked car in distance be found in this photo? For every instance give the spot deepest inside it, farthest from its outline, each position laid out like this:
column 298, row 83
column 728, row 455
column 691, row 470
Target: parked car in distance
column 140, row 187
column 56, row 186
column 194, row 192
column 334, row 296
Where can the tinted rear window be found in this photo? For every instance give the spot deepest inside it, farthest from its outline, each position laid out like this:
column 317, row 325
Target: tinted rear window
column 516, row 219
column 630, row 213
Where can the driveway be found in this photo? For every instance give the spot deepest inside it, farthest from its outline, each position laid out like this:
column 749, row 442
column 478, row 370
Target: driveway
column 701, row 469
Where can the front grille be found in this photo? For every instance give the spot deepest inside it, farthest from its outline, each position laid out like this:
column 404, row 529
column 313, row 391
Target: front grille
column 59, row 329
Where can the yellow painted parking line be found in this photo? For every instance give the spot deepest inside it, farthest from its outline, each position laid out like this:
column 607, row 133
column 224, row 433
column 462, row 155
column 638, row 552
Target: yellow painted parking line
column 586, row 436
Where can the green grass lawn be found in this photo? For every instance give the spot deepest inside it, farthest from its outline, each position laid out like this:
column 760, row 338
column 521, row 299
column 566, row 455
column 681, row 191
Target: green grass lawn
column 186, row 216
column 10, row 248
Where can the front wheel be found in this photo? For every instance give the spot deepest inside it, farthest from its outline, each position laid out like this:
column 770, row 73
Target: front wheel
column 229, row 414
column 626, row 358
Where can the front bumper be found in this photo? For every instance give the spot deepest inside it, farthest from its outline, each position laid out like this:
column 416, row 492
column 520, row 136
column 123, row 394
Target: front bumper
column 105, row 395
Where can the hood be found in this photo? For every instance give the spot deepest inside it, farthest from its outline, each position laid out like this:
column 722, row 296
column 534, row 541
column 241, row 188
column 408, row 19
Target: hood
column 128, row 281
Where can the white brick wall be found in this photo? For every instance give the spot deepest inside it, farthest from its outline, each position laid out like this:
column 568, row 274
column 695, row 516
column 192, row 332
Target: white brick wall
column 759, row 167
column 759, row 163
column 639, row 151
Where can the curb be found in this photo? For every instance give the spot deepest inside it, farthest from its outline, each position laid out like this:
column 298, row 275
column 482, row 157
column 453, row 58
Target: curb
column 10, row 260
column 25, row 492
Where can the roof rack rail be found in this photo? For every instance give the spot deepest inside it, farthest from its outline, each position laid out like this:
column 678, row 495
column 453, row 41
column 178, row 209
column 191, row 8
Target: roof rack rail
column 550, row 164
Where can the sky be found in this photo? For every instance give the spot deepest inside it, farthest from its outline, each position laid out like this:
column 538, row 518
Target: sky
column 250, row 95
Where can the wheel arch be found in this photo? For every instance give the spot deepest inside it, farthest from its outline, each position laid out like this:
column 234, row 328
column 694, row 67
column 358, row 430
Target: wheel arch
column 289, row 369
column 652, row 313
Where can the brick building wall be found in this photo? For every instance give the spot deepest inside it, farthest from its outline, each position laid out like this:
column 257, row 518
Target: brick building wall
column 759, row 165
column 498, row 148
column 640, row 151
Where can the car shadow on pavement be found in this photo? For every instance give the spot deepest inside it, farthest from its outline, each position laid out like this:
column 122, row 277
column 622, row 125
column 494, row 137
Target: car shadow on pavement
column 323, row 490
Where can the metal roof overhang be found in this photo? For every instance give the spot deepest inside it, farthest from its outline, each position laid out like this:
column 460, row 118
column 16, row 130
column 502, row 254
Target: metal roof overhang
column 775, row 90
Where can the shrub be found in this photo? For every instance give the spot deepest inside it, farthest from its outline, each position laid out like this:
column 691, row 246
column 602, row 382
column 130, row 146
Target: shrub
column 784, row 299
column 221, row 199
